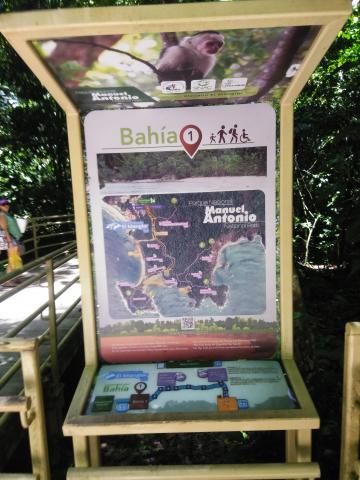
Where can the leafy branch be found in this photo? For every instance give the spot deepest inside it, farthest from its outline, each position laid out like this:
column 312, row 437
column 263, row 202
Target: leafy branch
column 112, row 49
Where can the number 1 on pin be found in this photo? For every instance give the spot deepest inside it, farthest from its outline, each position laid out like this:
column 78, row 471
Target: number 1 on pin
column 190, row 137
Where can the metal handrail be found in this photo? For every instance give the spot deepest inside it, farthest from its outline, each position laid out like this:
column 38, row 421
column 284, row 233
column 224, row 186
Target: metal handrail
column 62, row 342
column 39, row 310
column 37, row 224
column 29, row 401
column 61, row 215
column 41, row 229
column 49, row 263
column 45, row 363
column 49, row 245
column 33, row 415
column 68, row 249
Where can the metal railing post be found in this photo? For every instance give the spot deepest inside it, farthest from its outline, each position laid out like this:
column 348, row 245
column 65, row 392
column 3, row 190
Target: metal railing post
column 52, row 322
column 37, row 429
column 35, row 239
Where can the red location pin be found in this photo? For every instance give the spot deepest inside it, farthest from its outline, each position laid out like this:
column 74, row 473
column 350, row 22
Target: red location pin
column 190, row 137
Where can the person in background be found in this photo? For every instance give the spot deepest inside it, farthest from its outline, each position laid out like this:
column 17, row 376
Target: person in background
column 10, row 229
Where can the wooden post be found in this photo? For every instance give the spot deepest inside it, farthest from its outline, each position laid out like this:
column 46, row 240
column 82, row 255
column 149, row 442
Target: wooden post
column 286, row 226
column 33, row 419
column 298, row 446
column 350, row 408
column 94, row 451
column 81, row 451
column 37, row 428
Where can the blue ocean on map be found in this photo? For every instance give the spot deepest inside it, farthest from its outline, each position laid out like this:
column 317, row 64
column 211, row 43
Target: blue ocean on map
column 241, row 269
column 130, row 265
column 120, row 267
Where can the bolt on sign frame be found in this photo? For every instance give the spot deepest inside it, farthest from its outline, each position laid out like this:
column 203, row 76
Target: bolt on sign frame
column 328, row 16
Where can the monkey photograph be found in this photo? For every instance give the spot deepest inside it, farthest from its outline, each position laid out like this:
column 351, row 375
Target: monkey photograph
column 257, row 59
column 192, row 59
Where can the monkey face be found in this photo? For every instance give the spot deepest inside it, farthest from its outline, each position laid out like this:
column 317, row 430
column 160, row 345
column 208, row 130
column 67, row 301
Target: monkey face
column 210, row 43
column 213, row 46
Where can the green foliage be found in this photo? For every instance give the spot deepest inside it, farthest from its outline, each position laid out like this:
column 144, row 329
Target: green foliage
column 230, row 324
column 177, row 165
column 327, row 168
column 34, row 171
column 33, row 152
column 34, row 166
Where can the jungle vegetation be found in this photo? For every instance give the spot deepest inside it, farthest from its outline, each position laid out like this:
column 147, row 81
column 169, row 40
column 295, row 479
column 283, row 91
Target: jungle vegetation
column 35, row 176
column 162, row 166
column 230, row 324
column 34, row 153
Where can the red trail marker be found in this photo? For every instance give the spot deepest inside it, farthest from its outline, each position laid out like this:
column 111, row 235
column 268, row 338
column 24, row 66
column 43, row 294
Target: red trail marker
column 190, row 137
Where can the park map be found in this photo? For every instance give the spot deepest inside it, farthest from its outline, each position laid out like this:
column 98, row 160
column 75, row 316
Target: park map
column 182, row 252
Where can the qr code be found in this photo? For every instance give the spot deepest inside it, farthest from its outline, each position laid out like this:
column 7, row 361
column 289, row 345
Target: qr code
column 187, row 323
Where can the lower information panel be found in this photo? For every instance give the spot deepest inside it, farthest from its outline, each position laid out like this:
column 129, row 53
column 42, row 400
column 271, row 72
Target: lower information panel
column 224, row 386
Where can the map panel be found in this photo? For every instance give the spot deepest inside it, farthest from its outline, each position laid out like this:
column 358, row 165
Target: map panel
column 182, row 206
column 188, row 254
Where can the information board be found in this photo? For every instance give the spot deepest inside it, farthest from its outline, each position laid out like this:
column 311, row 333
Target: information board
column 182, row 205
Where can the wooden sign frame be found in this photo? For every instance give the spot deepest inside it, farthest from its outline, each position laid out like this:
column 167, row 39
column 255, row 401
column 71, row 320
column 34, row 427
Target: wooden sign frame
column 21, row 30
